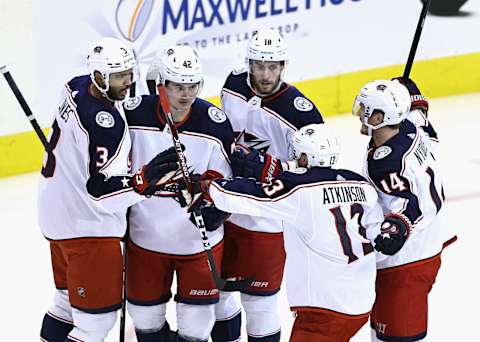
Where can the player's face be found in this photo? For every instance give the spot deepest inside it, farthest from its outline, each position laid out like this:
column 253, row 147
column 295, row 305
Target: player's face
column 265, row 76
column 182, row 95
column 120, row 82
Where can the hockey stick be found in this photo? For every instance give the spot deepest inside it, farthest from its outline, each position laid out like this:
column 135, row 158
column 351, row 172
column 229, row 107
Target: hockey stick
column 221, row 284
column 416, row 38
column 28, row 112
column 25, row 107
column 124, row 289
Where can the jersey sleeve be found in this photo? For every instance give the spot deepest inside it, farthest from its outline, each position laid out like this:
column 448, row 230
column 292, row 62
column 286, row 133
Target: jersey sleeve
column 216, row 125
column 248, row 197
column 311, row 117
column 109, row 178
column 301, row 110
column 220, row 158
column 372, row 219
column 419, row 119
column 396, row 188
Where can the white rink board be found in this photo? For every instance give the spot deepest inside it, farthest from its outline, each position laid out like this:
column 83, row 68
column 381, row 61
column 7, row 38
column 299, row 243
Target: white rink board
column 27, row 285
column 325, row 37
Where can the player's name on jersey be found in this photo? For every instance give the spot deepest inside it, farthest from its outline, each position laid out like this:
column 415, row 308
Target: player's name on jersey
column 343, row 194
column 421, row 152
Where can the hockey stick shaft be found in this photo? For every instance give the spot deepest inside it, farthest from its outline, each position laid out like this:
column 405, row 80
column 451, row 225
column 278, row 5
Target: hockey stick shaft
column 124, row 292
column 416, row 39
column 199, row 222
column 26, row 109
column 221, row 284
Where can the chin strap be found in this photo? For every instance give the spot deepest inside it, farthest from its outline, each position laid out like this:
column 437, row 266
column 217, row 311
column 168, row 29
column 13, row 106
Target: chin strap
column 369, row 131
column 105, row 95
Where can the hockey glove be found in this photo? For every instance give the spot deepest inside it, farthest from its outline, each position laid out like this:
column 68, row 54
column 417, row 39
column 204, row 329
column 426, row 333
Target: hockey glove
column 250, row 163
column 197, row 199
column 153, row 176
column 192, row 196
column 394, row 232
column 418, row 100
column 212, row 217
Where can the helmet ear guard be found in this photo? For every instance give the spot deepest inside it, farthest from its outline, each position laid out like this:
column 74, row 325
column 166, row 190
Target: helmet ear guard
column 318, row 143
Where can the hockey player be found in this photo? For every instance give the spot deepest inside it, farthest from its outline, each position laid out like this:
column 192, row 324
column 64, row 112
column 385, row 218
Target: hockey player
column 401, row 163
column 329, row 217
column 163, row 236
column 265, row 112
column 84, row 192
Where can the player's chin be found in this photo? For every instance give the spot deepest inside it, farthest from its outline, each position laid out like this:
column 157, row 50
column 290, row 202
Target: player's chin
column 121, row 95
column 185, row 105
column 267, row 89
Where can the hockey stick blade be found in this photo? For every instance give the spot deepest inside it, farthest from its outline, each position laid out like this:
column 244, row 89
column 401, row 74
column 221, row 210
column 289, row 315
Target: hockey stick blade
column 220, row 283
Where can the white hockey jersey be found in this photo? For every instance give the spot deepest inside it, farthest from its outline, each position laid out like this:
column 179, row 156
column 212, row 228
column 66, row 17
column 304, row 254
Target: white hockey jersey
column 265, row 124
column 84, row 190
column 329, row 218
column 159, row 223
column 405, row 172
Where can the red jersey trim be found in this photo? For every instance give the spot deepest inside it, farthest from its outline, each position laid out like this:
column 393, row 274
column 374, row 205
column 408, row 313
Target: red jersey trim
column 418, row 262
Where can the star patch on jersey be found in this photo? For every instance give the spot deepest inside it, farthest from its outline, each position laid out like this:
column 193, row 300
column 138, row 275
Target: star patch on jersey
column 382, row 152
column 132, row 102
column 302, row 104
column 216, row 115
column 125, row 181
column 105, row 119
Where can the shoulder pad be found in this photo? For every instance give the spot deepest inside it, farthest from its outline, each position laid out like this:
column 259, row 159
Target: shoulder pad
column 132, row 103
column 389, row 157
column 239, row 70
column 382, row 152
column 302, row 104
column 237, row 83
column 293, row 106
column 210, row 120
column 206, row 115
column 216, row 114
column 104, row 119
column 142, row 111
